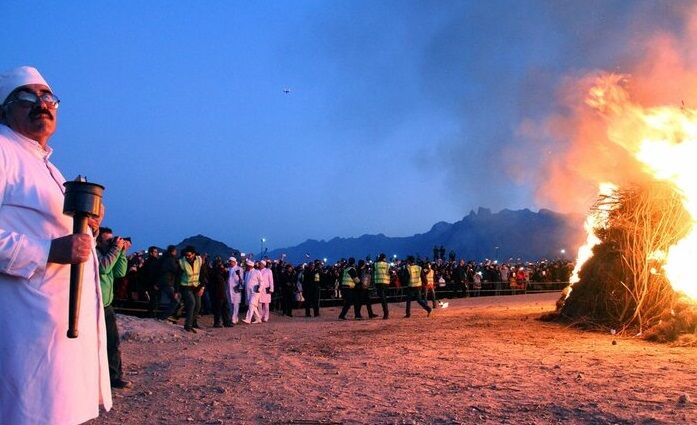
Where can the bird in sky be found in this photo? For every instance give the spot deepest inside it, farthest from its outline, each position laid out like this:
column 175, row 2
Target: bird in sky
column 286, row 91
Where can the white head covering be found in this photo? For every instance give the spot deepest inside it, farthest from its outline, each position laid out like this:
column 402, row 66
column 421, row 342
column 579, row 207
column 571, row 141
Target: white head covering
column 233, row 259
column 19, row 77
column 263, row 263
column 249, row 262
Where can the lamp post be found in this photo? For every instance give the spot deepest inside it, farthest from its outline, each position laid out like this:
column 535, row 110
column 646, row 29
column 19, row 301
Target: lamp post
column 263, row 241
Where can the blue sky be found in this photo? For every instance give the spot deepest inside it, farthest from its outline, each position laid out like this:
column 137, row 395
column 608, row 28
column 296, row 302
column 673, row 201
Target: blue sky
column 400, row 113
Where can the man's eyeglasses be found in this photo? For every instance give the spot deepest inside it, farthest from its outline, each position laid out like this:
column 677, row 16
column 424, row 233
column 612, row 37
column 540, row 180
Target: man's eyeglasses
column 32, row 98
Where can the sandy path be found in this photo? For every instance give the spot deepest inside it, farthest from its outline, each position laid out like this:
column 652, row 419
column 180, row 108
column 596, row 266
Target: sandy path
column 483, row 360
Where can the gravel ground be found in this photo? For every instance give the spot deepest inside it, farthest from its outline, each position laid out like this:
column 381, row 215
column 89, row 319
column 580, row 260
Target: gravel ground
column 481, row 360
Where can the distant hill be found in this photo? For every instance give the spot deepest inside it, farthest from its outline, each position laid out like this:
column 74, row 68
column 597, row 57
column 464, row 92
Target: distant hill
column 507, row 234
column 206, row 245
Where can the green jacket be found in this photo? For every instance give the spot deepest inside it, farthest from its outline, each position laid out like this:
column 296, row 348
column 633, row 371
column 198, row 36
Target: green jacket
column 112, row 265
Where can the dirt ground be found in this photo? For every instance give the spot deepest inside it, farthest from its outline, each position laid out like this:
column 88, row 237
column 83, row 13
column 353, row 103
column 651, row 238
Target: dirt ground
column 481, row 360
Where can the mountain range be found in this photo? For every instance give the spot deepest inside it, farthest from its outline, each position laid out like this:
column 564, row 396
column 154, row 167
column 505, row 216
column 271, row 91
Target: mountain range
column 516, row 234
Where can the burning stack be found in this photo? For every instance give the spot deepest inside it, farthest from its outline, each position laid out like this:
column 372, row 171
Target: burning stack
column 635, row 271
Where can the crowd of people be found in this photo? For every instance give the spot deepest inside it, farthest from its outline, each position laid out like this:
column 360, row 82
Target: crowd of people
column 55, row 368
column 223, row 288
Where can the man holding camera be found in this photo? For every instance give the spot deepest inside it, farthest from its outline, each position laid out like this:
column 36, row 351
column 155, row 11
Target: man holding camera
column 113, row 264
column 45, row 377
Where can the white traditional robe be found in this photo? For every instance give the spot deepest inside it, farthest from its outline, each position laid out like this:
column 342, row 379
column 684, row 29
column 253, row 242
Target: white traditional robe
column 252, row 284
column 265, row 296
column 234, row 280
column 267, row 278
column 45, row 377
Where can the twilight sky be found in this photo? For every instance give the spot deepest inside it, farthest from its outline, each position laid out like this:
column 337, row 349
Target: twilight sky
column 400, row 113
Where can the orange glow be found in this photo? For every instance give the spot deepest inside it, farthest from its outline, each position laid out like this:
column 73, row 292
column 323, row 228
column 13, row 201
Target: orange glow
column 664, row 140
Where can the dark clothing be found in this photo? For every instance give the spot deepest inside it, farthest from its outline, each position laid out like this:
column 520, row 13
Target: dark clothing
column 311, row 281
column 168, row 301
column 167, row 271
column 217, row 278
column 382, row 294
column 112, row 344
column 192, row 305
column 414, row 294
column 350, row 299
column 287, row 283
column 461, row 279
column 363, row 298
column 148, row 276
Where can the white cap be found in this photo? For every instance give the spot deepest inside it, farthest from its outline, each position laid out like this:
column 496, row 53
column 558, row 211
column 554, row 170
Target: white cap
column 233, row 259
column 263, row 263
column 249, row 262
column 18, row 77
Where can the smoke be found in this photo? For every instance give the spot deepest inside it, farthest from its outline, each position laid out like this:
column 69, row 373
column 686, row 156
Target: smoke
column 657, row 67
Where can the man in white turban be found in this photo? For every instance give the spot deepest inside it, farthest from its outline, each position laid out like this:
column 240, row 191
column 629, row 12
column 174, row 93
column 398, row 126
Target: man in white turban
column 252, row 285
column 45, row 377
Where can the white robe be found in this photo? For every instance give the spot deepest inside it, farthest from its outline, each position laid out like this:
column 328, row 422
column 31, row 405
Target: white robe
column 267, row 279
column 45, row 377
column 232, row 282
column 252, row 284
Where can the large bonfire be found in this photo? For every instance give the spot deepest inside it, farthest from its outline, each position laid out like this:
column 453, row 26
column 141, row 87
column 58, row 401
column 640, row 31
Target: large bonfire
column 636, row 271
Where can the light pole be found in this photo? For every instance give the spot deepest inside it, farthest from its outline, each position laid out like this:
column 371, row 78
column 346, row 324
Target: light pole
column 263, row 241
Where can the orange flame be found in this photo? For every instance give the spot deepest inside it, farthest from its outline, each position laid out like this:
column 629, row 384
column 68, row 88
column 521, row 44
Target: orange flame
column 664, row 140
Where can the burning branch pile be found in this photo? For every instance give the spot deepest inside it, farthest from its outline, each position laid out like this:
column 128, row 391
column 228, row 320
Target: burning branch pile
column 622, row 285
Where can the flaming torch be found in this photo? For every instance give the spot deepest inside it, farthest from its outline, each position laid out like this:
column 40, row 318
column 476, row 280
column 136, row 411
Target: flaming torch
column 82, row 201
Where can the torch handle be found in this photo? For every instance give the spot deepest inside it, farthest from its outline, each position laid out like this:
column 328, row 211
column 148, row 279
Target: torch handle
column 79, row 226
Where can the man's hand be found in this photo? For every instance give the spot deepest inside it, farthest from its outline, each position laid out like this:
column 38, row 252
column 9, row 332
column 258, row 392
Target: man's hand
column 71, row 249
column 200, row 292
column 120, row 243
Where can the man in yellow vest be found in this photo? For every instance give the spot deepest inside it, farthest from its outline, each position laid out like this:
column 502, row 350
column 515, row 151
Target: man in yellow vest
column 381, row 278
column 349, row 280
column 191, row 288
column 414, row 289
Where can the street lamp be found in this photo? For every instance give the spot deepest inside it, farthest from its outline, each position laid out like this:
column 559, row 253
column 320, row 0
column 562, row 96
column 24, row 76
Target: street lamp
column 263, row 241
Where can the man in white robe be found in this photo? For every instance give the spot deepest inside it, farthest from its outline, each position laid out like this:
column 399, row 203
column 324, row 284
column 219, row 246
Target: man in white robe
column 252, row 286
column 45, row 377
column 233, row 289
column 266, row 289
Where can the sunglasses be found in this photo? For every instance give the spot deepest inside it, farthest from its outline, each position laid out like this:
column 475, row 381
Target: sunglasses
column 34, row 99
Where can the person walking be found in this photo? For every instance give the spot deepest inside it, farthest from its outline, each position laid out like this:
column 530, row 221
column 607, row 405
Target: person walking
column 414, row 289
column 363, row 289
column 252, row 284
column 266, row 290
column 310, row 288
column 349, row 280
column 189, row 281
column 233, row 288
column 381, row 279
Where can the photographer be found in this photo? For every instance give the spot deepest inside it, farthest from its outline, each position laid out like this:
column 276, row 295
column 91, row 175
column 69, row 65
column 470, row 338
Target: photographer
column 111, row 254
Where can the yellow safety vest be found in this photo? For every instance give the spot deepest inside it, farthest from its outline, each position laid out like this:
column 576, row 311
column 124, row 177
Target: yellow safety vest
column 346, row 279
column 381, row 274
column 429, row 278
column 190, row 273
column 415, row 276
